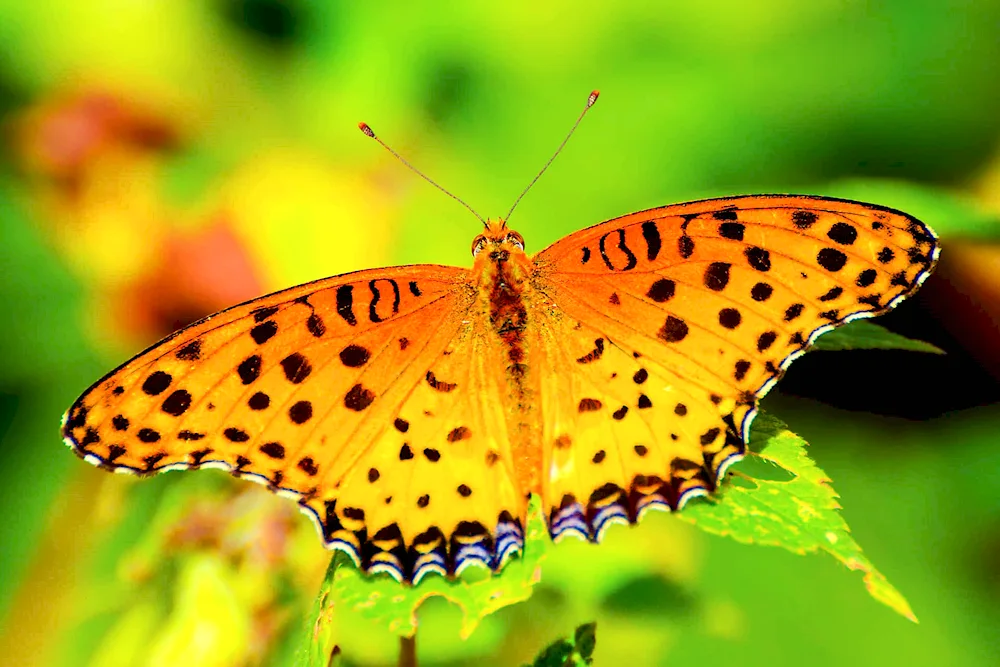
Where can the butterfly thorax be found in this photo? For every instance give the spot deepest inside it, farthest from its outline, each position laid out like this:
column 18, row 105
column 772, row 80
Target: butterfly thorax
column 502, row 271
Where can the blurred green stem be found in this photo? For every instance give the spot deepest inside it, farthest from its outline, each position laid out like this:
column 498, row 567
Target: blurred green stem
column 408, row 651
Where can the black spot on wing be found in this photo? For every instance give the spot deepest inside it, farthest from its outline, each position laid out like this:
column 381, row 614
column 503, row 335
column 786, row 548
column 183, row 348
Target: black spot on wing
column 439, row 385
column 236, row 435
column 156, row 383
column 148, row 435
column 732, row 230
column 804, row 219
column 594, row 354
column 275, row 450
column 602, row 246
column 685, row 246
column 460, row 433
column 190, row 352
column 354, row 356
column 259, row 401
column 872, row 300
column 673, row 330
column 177, row 403
column 793, row 311
column 832, row 294
column 758, row 258
column 866, row 278
column 345, row 304
column 296, row 367
column 315, row 325
column 651, row 235
column 842, row 233
column 730, row 318
column 300, row 412
column 766, row 340
column 661, row 290
column 263, row 332
column 831, row 259
column 376, row 297
column 358, row 398
column 717, row 276
column 249, row 369
column 761, row 292
column 262, row 313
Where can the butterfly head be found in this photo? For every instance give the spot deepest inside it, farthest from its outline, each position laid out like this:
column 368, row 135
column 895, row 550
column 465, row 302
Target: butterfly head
column 497, row 242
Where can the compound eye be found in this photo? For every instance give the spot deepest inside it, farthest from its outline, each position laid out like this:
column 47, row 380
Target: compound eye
column 478, row 244
column 515, row 239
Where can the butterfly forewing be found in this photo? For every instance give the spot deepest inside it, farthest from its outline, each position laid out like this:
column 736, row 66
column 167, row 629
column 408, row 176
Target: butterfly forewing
column 706, row 302
column 356, row 395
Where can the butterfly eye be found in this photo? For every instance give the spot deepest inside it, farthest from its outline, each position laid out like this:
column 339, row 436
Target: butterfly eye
column 477, row 244
column 515, row 239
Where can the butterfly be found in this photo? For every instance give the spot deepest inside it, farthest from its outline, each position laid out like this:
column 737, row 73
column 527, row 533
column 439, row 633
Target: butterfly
column 412, row 411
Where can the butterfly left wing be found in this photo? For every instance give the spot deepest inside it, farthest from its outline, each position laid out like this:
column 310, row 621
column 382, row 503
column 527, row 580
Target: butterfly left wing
column 365, row 397
column 668, row 325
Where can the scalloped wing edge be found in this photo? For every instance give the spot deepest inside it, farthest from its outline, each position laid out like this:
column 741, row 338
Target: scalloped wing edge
column 475, row 547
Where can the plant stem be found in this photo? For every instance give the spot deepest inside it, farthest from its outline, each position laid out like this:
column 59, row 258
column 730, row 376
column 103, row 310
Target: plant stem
column 408, row 651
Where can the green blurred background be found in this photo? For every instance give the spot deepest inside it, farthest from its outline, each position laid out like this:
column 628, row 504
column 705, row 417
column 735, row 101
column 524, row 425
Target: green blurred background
column 160, row 160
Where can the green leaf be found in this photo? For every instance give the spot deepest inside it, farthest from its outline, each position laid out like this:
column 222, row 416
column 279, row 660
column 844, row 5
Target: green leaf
column 476, row 592
column 318, row 646
column 863, row 335
column 575, row 650
column 798, row 514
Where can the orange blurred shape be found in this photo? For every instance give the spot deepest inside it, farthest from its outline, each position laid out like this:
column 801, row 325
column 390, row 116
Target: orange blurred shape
column 61, row 136
column 196, row 273
column 240, row 525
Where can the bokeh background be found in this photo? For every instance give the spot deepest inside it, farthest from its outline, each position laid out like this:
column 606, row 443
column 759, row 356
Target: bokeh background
column 160, row 160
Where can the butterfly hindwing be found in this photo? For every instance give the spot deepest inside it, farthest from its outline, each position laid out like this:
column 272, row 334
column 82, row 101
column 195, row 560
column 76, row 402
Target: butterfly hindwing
column 623, row 433
column 709, row 302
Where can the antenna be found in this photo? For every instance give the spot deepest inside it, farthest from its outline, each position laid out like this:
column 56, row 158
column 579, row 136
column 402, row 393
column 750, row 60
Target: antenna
column 368, row 130
column 590, row 102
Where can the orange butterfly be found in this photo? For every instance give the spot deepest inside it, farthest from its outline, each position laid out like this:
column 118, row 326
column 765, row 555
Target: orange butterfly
column 411, row 411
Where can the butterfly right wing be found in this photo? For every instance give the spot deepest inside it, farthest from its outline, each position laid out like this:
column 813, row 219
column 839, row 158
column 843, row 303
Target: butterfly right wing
column 365, row 397
column 668, row 325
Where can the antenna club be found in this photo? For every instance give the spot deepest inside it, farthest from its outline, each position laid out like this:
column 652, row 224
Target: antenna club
column 593, row 98
column 367, row 130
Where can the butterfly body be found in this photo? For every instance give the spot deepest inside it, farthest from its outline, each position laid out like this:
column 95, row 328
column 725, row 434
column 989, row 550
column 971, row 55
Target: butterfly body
column 412, row 410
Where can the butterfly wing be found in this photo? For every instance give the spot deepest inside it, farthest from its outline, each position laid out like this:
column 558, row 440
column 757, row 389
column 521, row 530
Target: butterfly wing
column 353, row 395
column 670, row 324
